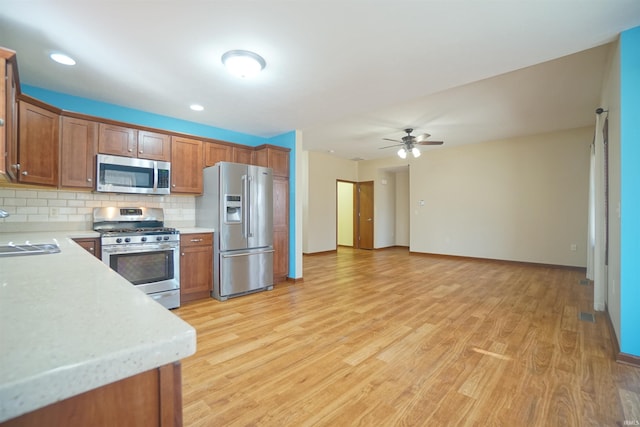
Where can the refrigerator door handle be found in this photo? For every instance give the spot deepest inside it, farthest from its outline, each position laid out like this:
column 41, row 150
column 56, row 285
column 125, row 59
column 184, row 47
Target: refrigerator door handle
column 249, row 253
column 245, row 217
column 248, row 203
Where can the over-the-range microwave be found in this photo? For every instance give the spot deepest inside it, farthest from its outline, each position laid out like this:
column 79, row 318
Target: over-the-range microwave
column 116, row 174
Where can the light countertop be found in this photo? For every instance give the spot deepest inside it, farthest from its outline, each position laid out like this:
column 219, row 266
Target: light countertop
column 193, row 230
column 69, row 324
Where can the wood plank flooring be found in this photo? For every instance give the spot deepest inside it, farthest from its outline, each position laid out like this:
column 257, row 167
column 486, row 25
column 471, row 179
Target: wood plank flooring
column 381, row 338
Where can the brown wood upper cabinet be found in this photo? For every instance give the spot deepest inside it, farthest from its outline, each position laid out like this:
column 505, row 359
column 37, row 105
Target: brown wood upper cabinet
column 186, row 165
column 214, row 153
column 124, row 141
column 273, row 157
column 77, row 152
column 38, row 145
column 242, row 155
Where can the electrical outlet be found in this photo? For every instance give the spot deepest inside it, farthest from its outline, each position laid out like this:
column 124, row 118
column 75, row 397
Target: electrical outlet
column 53, row 212
column 574, row 247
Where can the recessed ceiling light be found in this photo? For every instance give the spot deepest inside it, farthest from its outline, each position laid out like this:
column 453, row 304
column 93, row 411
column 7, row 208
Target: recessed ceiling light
column 63, row 59
column 196, row 107
column 242, row 63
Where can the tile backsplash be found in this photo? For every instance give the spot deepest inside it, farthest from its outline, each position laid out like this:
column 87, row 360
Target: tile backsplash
column 48, row 210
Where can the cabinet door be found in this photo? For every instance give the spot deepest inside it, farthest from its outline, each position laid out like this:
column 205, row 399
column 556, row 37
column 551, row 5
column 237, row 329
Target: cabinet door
column 243, row 155
column 38, row 145
column 186, row 165
column 278, row 160
column 78, row 152
column 214, row 153
column 196, row 266
column 261, row 157
column 117, row 140
column 91, row 245
column 8, row 116
column 280, row 229
column 154, row 146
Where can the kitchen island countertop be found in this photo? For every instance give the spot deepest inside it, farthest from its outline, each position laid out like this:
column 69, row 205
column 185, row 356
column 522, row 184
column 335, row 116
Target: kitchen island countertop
column 70, row 324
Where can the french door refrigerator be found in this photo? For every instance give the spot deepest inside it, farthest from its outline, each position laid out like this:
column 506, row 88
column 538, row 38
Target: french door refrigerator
column 237, row 201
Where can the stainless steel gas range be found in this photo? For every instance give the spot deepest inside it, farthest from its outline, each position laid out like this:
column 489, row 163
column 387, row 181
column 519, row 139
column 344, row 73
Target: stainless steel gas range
column 137, row 245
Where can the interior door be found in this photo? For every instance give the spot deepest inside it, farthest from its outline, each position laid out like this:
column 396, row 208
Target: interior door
column 365, row 215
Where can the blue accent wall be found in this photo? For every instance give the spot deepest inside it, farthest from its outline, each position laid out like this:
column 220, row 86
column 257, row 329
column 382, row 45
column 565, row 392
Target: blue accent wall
column 630, row 191
column 138, row 117
column 143, row 118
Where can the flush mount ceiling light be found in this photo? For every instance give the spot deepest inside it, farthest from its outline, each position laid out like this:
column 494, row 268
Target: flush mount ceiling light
column 196, row 107
column 63, row 59
column 242, row 63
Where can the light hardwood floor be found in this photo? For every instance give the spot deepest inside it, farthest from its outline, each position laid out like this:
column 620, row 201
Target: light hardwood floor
column 388, row 338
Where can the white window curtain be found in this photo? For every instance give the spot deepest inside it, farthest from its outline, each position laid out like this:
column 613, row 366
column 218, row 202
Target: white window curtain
column 596, row 232
column 591, row 231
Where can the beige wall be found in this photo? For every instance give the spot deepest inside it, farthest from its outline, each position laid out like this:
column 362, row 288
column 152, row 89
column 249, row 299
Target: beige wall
column 402, row 208
column 523, row 199
column 323, row 170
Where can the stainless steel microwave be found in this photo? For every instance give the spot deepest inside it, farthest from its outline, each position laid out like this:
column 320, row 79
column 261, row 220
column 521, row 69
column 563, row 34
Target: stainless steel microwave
column 116, row 174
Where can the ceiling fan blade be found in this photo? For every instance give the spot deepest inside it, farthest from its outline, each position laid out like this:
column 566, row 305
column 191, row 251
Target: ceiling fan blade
column 431, row 143
column 392, row 140
column 422, row 137
column 389, row 146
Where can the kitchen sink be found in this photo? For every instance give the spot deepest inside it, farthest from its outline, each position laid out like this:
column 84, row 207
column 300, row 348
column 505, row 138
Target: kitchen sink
column 12, row 249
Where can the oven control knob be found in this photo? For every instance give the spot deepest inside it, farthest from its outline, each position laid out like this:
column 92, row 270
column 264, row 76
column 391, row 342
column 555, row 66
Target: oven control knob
column 166, row 237
column 118, row 240
column 127, row 239
column 159, row 238
column 143, row 239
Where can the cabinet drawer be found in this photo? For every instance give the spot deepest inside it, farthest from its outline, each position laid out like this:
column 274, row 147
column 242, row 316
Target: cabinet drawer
column 196, row 239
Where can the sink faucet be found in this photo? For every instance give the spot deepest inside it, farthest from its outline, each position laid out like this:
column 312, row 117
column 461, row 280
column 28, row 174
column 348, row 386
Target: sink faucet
column 3, row 213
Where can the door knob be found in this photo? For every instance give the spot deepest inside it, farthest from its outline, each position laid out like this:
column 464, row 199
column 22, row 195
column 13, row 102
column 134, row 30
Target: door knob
column 369, row 219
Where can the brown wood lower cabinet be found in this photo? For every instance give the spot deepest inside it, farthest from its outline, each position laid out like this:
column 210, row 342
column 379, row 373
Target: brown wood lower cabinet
column 151, row 398
column 196, row 266
column 91, row 245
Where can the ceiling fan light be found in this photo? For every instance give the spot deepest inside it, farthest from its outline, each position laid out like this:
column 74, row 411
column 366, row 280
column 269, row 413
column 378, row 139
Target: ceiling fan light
column 402, row 153
column 415, row 152
column 242, row 63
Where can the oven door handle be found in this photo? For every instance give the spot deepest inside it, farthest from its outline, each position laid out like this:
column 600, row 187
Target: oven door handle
column 138, row 249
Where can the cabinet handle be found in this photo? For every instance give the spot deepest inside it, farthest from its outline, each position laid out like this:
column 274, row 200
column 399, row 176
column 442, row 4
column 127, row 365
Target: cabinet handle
column 182, row 253
column 89, row 180
column 173, row 185
column 196, row 240
column 90, row 249
column 130, row 150
column 25, row 173
column 140, row 151
column 1, row 122
column 16, row 166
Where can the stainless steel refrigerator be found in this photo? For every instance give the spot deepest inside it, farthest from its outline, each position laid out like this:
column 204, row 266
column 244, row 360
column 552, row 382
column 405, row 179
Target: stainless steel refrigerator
column 237, row 201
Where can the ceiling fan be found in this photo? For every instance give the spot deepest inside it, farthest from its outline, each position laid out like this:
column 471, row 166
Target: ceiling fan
column 409, row 142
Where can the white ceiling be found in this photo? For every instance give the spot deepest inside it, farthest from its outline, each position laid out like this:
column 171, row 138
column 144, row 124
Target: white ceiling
column 345, row 72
